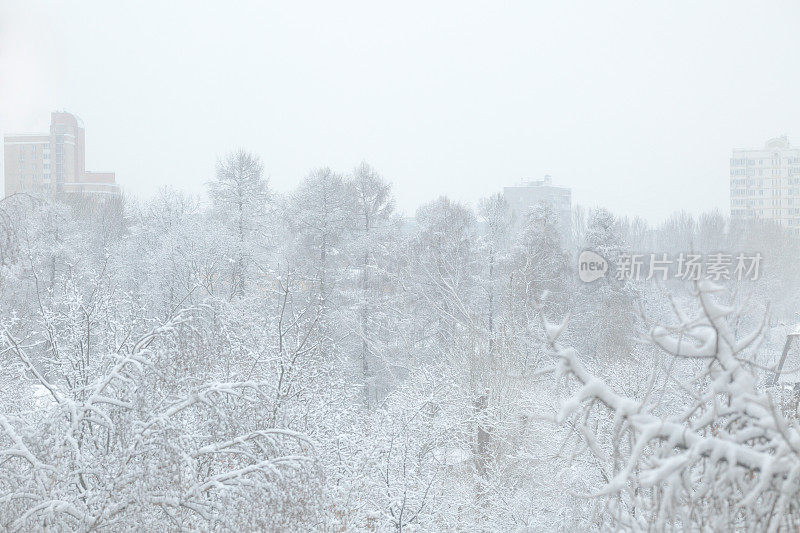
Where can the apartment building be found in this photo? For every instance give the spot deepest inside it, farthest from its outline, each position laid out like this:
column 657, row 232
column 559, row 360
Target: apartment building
column 765, row 183
column 522, row 197
column 53, row 163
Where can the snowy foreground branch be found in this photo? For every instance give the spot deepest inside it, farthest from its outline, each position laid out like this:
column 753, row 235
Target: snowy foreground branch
column 723, row 458
column 102, row 455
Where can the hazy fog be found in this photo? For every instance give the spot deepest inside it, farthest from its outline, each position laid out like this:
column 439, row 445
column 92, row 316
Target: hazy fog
column 630, row 105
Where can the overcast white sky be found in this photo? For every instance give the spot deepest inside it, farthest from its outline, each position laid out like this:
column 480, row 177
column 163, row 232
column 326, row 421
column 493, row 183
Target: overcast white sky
column 635, row 105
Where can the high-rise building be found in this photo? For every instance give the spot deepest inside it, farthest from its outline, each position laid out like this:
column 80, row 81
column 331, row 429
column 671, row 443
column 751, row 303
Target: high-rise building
column 765, row 183
column 53, row 163
column 522, row 197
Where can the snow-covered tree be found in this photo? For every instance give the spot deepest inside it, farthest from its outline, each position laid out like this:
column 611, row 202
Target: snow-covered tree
column 705, row 448
column 240, row 194
column 310, row 361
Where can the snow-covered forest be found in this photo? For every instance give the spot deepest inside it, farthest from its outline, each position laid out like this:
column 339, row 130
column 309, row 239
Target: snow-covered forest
column 313, row 361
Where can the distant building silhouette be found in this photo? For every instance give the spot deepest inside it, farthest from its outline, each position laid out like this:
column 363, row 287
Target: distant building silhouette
column 765, row 183
column 53, row 163
column 522, row 197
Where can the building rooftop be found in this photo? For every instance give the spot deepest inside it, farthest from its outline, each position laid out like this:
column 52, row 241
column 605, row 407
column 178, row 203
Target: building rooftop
column 6, row 135
column 546, row 181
